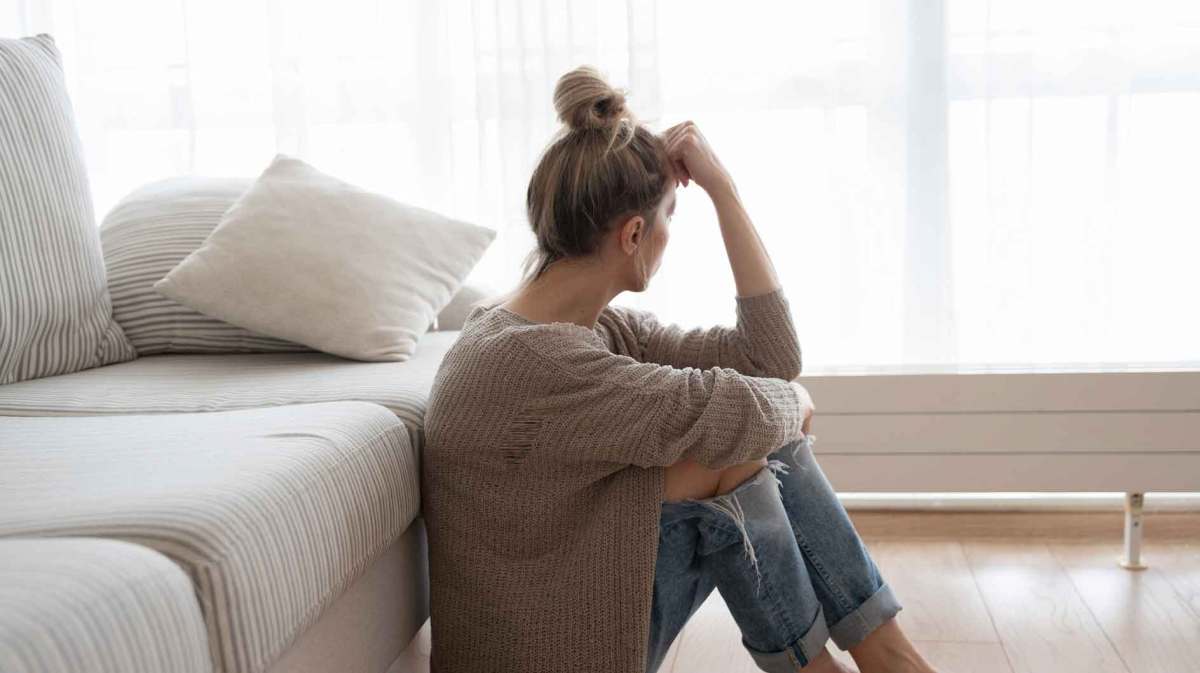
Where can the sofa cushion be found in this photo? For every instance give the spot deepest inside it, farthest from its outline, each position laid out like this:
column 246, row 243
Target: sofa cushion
column 54, row 300
column 455, row 314
column 272, row 512
column 178, row 383
column 85, row 604
column 151, row 230
column 148, row 233
column 309, row 258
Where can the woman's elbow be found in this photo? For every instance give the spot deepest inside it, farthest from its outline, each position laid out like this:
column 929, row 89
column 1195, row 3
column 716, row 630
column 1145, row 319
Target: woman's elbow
column 789, row 365
column 786, row 367
column 776, row 359
column 789, row 373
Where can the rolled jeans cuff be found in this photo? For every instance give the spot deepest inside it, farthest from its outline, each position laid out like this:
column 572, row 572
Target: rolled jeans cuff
column 786, row 661
column 854, row 627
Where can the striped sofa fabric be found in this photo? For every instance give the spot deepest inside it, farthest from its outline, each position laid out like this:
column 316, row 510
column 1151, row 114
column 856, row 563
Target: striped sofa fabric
column 202, row 383
column 84, row 604
column 55, row 312
column 272, row 512
column 146, row 235
column 152, row 230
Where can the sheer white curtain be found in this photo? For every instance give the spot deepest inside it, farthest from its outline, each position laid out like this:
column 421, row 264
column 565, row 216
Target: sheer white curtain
column 940, row 182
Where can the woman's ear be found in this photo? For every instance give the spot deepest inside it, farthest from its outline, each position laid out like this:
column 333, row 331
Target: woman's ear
column 632, row 233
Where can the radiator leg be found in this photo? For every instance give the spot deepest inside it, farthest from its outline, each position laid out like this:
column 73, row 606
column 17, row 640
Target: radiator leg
column 1132, row 558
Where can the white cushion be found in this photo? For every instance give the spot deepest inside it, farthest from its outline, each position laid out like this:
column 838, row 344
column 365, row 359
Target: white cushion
column 151, row 230
column 455, row 313
column 55, row 314
column 308, row 258
column 201, row 383
column 149, row 233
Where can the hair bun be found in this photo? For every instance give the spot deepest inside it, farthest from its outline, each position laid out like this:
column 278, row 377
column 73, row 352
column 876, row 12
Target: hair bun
column 584, row 100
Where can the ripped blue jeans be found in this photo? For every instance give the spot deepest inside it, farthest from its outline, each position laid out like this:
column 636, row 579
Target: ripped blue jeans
column 785, row 557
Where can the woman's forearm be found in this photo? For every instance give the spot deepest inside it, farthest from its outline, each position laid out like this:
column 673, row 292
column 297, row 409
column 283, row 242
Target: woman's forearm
column 753, row 272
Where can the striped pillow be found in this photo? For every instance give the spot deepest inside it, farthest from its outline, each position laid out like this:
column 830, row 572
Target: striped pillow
column 55, row 311
column 149, row 233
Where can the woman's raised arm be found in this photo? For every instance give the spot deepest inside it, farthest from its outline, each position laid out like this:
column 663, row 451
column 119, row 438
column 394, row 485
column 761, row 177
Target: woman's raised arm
column 695, row 161
column 764, row 341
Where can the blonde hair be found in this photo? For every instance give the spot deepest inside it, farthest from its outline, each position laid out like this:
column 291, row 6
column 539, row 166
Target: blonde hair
column 602, row 165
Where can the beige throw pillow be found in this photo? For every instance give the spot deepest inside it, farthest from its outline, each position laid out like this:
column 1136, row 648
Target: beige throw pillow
column 306, row 257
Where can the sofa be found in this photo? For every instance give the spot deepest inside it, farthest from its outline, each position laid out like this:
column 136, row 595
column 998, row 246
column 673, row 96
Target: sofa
column 177, row 494
column 285, row 485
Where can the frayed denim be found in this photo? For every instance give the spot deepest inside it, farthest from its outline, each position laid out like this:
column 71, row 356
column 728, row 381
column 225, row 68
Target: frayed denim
column 784, row 555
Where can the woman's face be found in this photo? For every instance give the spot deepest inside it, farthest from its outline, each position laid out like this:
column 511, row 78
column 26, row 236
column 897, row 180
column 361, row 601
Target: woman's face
column 659, row 234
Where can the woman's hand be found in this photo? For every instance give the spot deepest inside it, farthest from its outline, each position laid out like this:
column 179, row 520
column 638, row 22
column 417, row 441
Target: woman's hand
column 694, row 159
column 806, row 400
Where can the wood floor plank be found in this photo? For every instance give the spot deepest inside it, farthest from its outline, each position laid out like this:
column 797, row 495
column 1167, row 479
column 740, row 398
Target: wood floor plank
column 711, row 642
column 1043, row 623
column 997, row 606
column 965, row 657
column 1180, row 563
column 1150, row 624
column 935, row 586
column 953, row 657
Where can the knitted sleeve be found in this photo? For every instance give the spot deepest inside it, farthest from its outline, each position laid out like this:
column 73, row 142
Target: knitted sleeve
column 593, row 404
column 763, row 343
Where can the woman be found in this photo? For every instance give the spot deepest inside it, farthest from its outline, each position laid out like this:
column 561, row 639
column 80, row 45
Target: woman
column 591, row 475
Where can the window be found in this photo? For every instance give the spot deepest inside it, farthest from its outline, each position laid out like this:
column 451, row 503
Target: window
column 940, row 182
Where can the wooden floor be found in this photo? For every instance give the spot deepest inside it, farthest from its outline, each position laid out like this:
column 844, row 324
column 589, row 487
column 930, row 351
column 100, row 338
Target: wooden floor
column 978, row 599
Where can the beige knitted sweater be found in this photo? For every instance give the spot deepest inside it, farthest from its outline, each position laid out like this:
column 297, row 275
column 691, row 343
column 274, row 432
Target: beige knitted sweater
column 543, row 471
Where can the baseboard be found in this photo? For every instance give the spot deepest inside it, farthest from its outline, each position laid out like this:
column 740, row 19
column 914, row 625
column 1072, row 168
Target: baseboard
column 1099, row 526
column 1019, row 502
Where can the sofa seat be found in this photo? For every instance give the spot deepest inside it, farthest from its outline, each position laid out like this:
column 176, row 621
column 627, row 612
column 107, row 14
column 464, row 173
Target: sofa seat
column 272, row 512
column 180, row 383
column 79, row 604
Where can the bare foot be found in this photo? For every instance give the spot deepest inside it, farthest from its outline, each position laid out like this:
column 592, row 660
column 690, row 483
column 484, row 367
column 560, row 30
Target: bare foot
column 825, row 663
column 888, row 650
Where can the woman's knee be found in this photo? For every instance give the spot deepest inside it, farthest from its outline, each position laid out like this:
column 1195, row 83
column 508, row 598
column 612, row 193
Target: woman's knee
column 735, row 475
column 689, row 479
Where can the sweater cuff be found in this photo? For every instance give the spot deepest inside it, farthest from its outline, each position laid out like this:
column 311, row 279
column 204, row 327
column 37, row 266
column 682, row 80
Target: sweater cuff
column 789, row 409
column 762, row 298
column 768, row 309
